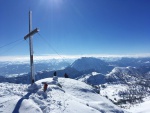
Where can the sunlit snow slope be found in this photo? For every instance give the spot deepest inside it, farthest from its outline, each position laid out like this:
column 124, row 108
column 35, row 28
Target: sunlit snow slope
column 73, row 97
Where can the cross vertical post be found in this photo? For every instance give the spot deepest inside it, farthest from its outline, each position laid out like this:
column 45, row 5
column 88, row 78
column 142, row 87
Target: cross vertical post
column 31, row 46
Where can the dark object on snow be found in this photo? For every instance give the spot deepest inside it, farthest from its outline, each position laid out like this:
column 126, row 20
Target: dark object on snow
column 45, row 86
column 32, row 81
column 55, row 73
column 66, row 75
column 59, row 85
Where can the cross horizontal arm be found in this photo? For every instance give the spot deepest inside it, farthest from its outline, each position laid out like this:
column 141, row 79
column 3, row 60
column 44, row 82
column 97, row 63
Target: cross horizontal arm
column 31, row 33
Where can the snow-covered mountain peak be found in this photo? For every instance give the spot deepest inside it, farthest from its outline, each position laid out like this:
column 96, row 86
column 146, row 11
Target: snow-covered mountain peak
column 124, row 75
column 125, row 71
column 95, row 73
column 93, row 78
column 72, row 97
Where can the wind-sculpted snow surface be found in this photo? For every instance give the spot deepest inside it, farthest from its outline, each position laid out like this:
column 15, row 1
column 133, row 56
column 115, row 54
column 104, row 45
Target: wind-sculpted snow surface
column 70, row 96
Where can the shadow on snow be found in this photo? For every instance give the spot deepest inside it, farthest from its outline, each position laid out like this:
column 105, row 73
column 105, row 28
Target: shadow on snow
column 17, row 107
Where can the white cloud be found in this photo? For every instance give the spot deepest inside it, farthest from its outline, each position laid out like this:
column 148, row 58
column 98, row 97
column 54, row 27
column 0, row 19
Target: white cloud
column 53, row 56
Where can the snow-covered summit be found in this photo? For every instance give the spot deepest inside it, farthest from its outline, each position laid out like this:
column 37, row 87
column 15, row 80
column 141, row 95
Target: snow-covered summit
column 72, row 97
column 124, row 74
column 93, row 78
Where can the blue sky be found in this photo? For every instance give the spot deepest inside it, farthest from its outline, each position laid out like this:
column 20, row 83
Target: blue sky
column 76, row 27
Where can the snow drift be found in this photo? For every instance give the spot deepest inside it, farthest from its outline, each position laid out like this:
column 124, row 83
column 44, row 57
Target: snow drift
column 72, row 97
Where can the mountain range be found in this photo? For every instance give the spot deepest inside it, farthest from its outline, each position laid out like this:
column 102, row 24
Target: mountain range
column 126, row 79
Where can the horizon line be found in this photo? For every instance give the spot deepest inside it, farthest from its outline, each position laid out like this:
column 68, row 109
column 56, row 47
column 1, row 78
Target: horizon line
column 55, row 56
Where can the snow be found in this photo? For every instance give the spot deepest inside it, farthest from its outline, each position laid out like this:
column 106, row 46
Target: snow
column 112, row 90
column 93, row 78
column 71, row 96
column 141, row 108
column 124, row 75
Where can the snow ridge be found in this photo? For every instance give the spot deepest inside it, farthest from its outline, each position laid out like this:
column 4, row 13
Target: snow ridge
column 72, row 97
